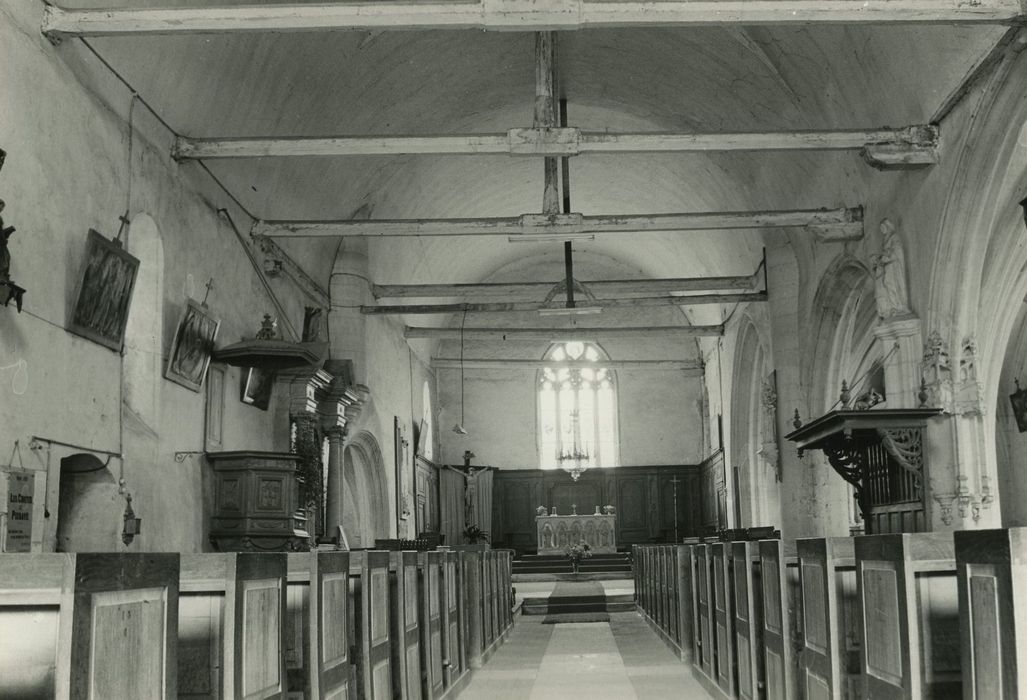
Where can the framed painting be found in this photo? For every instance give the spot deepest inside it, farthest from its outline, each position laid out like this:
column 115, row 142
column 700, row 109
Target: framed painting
column 404, row 465
column 104, row 292
column 256, row 387
column 192, row 347
column 215, row 417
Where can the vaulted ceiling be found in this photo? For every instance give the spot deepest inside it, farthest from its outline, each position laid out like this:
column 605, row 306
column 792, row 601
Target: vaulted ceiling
column 699, row 79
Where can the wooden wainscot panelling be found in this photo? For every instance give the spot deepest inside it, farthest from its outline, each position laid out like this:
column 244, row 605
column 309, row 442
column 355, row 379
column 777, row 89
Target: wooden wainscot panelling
column 831, row 619
column 748, row 609
column 232, row 628
column 782, row 616
column 909, row 598
column 371, row 602
column 318, row 661
column 89, row 625
column 992, row 571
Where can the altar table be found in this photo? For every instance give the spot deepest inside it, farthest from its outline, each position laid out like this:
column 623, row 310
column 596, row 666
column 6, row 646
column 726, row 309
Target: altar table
column 558, row 532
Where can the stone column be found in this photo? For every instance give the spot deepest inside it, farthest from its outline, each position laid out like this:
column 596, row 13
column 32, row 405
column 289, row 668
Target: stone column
column 902, row 344
column 351, row 288
column 336, row 481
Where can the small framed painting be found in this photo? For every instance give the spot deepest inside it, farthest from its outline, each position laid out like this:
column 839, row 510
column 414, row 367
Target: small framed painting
column 104, row 292
column 256, row 387
column 215, row 417
column 192, row 347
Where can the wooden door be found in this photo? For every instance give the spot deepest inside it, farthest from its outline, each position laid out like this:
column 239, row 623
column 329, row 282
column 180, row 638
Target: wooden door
column 375, row 670
column 430, row 564
column 748, row 619
column 992, row 570
column 779, row 655
column 723, row 617
column 830, row 667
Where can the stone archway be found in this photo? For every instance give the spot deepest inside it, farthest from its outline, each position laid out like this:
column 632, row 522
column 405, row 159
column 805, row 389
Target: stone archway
column 89, row 507
column 365, row 513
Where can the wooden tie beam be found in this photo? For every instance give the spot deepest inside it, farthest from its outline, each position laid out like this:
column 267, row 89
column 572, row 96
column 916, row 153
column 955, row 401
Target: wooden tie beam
column 556, row 334
column 830, row 224
column 531, row 306
column 691, row 366
column 517, row 15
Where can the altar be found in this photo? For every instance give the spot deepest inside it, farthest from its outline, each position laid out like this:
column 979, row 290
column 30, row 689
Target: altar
column 558, row 532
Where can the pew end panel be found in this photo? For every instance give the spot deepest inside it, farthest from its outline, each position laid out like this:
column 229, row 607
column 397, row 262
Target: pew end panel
column 992, row 578
column 909, row 600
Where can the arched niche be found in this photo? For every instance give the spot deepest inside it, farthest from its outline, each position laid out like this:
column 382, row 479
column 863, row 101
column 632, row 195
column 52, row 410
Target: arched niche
column 89, row 507
column 843, row 347
column 754, row 448
column 365, row 514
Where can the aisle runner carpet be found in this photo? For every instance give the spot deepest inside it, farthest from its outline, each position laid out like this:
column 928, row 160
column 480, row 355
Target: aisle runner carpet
column 577, row 601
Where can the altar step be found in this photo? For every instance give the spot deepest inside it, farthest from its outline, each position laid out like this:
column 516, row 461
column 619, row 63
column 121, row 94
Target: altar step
column 577, row 597
column 616, row 563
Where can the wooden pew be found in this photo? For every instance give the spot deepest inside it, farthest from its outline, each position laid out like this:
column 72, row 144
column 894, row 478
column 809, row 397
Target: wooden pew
column 88, row 625
column 992, row 575
column 454, row 662
column 472, row 605
column 831, row 633
column 908, row 595
column 231, row 630
column 723, row 618
column 704, row 611
column 782, row 615
column 748, row 623
column 369, row 573
column 688, row 644
column 431, row 603
column 671, row 584
column 405, row 621
column 318, row 663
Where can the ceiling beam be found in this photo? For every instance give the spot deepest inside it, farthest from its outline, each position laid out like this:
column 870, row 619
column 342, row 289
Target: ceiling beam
column 514, row 306
column 554, row 334
column 517, row 15
column 691, row 366
column 835, row 224
column 597, row 287
column 560, row 142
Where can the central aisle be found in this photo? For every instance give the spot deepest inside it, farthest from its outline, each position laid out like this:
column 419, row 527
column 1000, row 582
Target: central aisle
column 619, row 659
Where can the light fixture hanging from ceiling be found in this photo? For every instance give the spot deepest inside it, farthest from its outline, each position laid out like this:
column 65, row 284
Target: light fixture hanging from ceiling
column 459, row 428
column 575, row 461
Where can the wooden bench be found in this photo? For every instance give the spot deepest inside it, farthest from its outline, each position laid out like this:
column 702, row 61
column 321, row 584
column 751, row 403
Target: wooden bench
column 831, row 615
column 318, row 626
column 723, row 618
column 89, row 625
column 431, row 602
column 704, row 611
column 370, row 570
column 992, row 575
column 405, row 621
column 908, row 596
column 231, row 629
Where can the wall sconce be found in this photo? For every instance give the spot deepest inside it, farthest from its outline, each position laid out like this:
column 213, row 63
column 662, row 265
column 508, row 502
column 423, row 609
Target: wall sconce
column 133, row 525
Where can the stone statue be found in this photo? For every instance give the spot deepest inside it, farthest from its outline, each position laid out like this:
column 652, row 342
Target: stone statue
column 889, row 267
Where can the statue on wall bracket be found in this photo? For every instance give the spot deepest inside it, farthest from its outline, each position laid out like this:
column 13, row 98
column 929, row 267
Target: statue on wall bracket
column 889, row 268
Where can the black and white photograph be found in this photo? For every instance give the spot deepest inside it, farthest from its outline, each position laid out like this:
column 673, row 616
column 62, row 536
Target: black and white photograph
column 645, row 349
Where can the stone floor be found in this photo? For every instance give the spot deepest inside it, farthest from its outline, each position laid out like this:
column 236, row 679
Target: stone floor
column 620, row 660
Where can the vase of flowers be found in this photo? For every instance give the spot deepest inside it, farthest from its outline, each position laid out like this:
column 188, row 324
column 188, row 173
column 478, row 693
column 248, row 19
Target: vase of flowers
column 578, row 552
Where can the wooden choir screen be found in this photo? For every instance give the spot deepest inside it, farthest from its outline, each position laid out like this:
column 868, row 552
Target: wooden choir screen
column 908, row 597
column 992, row 571
column 89, row 625
column 831, row 637
column 748, row 608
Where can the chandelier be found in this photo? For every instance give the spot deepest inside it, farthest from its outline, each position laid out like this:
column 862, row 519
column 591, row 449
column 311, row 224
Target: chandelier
column 575, row 461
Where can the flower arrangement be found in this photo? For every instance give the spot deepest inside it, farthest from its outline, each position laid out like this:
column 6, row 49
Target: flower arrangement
column 578, row 552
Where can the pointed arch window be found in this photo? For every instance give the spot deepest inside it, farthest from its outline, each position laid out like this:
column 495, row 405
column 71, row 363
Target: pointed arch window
column 577, row 406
